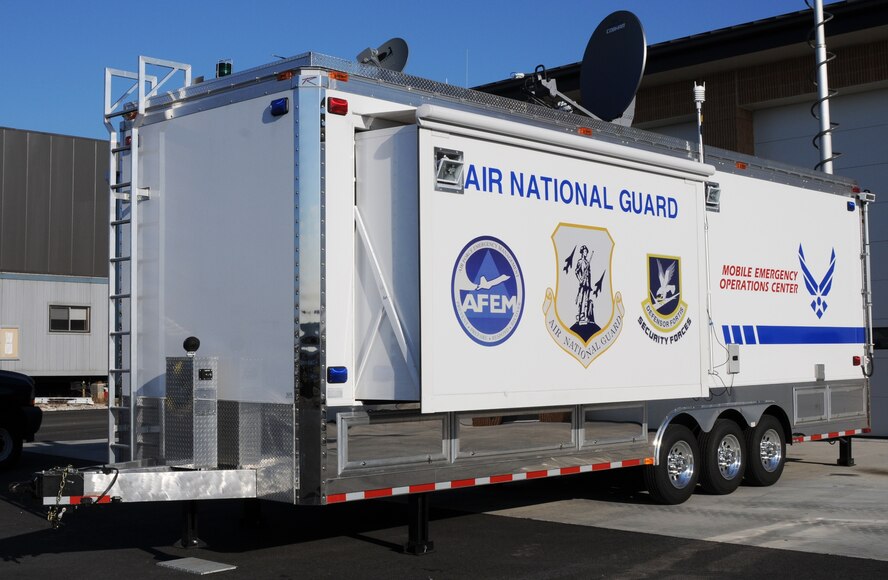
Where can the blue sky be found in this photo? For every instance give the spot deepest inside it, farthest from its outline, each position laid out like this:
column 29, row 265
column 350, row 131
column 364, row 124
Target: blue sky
column 53, row 52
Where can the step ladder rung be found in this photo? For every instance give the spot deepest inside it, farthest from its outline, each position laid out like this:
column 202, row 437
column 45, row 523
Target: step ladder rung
column 118, row 371
column 116, row 259
column 120, row 445
column 118, row 296
column 119, row 186
column 121, row 148
column 122, row 222
column 119, row 333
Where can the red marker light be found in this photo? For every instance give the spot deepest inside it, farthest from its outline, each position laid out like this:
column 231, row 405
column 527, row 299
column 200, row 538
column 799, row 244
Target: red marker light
column 855, row 360
column 337, row 106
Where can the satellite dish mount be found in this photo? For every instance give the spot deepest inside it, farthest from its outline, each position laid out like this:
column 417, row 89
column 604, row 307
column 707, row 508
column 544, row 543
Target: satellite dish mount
column 610, row 72
column 390, row 55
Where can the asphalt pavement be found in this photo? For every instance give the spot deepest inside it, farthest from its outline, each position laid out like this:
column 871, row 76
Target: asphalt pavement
column 74, row 425
column 363, row 539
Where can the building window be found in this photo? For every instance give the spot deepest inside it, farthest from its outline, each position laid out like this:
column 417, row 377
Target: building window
column 69, row 318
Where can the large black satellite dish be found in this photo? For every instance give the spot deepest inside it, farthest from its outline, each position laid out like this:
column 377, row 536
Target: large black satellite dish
column 391, row 55
column 613, row 65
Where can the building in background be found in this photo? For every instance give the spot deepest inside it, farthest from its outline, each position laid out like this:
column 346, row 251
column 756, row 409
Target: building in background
column 54, row 259
column 759, row 93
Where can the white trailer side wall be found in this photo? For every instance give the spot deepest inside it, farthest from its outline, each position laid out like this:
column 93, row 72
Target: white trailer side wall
column 784, row 133
column 537, row 278
column 217, row 248
column 762, row 243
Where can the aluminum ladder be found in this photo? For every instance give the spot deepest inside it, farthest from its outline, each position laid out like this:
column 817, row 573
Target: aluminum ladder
column 123, row 118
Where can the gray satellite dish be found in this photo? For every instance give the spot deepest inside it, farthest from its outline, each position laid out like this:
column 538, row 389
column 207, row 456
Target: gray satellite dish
column 613, row 65
column 391, row 55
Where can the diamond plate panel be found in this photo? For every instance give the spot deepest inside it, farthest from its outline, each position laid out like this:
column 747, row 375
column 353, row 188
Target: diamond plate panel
column 276, row 476
column 190, row 429
column 149, row 426
column 240, row 434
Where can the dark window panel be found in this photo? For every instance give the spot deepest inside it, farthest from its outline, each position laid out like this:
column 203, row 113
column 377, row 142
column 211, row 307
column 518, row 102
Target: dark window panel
column 880, row 337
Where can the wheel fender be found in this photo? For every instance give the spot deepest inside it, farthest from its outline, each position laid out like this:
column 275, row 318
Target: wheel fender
column 705, row 417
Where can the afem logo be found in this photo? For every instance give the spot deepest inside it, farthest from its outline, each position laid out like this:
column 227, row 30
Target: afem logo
column 487, row 289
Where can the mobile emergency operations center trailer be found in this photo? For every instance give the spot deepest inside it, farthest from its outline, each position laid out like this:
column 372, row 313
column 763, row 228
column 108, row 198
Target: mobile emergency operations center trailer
column 401, row 286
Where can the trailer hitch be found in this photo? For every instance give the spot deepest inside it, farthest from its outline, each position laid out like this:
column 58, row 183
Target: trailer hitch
column 24, row 488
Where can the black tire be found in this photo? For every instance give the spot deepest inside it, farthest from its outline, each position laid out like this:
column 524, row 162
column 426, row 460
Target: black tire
column 673, row 479
column 724, row 458
column 10, row 446
column 767, row 452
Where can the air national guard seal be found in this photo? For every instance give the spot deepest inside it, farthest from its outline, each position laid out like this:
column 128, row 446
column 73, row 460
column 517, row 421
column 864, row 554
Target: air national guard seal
column 583, row 316
column 488, row 291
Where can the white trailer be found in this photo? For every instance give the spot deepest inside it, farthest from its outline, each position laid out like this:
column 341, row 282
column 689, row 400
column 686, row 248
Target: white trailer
column 401, row 286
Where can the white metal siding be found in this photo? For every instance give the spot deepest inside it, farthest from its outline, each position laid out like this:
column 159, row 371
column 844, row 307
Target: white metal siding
column 24, row 304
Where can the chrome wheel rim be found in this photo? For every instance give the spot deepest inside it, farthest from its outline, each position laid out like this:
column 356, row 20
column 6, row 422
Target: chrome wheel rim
column 770, row 450
column 730, row 457
column 680, row 465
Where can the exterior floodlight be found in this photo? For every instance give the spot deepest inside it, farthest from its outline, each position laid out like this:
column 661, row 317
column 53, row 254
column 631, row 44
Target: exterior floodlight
column 191, row 344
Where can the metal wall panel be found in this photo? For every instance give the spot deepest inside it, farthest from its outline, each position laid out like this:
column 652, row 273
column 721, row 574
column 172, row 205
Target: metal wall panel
column 37, row 205
column 13, row 209
column 53, row 204
column 100, row 211
column 61, row 221
column 83, row 241
column 24, row 304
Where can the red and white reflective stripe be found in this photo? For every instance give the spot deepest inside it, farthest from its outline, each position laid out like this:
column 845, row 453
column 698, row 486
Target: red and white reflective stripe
column 475, row 481
column 75, row 500
column 832, row 435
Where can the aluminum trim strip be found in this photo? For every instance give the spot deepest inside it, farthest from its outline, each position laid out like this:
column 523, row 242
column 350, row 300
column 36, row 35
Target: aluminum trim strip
column 479, row 481
column 830, row 435
column 426, row 113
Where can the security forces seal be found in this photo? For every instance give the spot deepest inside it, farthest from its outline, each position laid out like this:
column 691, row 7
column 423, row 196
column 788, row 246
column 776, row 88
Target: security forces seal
column 665, row 318
column 487, row 289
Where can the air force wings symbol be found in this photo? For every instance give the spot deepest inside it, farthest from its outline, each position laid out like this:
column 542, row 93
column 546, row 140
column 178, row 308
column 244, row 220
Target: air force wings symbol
column 583, row 316
column 818, row 290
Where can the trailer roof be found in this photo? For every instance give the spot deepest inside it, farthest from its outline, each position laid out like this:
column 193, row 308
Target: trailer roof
column 423, row 90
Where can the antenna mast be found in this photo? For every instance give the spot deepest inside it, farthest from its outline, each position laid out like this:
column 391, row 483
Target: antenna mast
column 823, row 94
column 699, row 99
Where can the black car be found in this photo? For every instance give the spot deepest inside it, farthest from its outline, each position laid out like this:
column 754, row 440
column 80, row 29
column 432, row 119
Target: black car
column 19, row 418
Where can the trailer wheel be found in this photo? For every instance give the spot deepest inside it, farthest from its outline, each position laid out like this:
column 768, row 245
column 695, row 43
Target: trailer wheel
column 724, row 458
column 10, row 446
column 767, row 449
column 673, row 479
